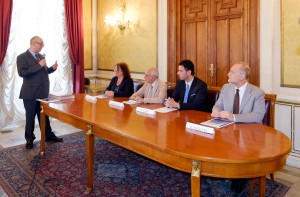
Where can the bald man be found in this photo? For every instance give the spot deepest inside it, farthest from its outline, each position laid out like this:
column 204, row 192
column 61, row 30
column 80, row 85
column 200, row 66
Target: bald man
column 153, row 91
column 33, row 69
column 251, row 106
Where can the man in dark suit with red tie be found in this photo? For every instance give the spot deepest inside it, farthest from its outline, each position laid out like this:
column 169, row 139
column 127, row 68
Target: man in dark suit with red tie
column 34, row 71
column 190, row 91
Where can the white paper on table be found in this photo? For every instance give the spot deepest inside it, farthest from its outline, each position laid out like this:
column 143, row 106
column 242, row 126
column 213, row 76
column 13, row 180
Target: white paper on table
column 132, row 102
column 165, row 109
column 102, row 96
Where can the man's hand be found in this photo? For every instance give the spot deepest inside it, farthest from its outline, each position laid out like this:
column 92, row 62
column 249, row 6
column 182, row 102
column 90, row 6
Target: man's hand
column 55, row 65
column 215, row 113
column 226, row 115
column 222, row 114
column 42, row 63
column 171, row 103
column 138, row 98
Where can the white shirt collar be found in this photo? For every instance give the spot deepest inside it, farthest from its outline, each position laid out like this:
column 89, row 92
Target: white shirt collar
column 189, row 83
column 32, row 53
column 243, row 87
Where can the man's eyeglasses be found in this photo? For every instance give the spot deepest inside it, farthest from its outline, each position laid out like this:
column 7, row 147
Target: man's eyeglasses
column 40, row 43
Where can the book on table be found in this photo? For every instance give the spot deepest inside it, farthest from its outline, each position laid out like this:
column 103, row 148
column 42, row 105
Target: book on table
column 217, row 122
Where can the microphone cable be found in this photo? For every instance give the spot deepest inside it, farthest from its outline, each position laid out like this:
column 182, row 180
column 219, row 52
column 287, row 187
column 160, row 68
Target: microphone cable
column 46, row 183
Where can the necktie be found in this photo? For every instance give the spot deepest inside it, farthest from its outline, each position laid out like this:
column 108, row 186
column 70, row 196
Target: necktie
column 186, row 94
column 37, row 57
column 149, row 95
column 236, row 102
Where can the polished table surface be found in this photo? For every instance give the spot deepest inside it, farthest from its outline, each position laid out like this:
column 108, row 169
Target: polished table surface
column 240, row 150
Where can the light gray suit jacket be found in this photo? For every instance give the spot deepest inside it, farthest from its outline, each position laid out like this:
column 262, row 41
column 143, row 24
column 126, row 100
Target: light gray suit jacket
column 252, row 108
column 159, row 92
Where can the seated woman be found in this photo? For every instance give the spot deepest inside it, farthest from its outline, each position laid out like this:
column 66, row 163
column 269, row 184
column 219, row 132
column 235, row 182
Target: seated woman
column 121, row 85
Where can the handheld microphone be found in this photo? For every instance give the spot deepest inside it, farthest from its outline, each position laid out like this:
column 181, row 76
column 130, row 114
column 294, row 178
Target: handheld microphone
column 43, row 55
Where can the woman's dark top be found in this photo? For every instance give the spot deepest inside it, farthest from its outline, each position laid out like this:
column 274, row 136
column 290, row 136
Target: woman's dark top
column 125, row 89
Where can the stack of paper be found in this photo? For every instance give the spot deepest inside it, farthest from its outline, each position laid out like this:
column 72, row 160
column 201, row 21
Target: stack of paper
column 61, row 95
column 165, row 109
column 132, row 102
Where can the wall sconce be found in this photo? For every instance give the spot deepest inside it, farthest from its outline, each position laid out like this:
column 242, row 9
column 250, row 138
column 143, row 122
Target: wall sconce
column 119, row 19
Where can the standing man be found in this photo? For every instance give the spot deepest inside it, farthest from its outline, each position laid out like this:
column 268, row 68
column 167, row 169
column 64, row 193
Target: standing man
column 34, row 71
column 240, row 101
column 153, row 90
column 190, row 91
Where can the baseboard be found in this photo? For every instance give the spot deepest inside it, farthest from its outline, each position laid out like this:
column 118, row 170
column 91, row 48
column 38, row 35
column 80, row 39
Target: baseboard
column 293, row 160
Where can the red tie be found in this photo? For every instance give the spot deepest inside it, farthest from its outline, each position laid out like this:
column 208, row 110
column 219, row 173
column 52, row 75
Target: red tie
column 236, row 102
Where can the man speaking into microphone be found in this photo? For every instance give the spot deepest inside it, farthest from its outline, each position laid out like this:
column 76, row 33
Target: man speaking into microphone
column 32, row 67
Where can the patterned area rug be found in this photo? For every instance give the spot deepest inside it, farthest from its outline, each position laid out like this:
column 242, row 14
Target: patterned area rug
column 118, row 172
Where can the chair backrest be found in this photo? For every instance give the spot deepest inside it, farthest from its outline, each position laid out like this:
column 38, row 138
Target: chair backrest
column 270, row 100
column 213, row 94
column 87, row 81
column 137, row 84
column 170, row 89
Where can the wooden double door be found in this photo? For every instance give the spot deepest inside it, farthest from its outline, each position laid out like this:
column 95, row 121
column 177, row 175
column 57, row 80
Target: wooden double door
column 214, row 34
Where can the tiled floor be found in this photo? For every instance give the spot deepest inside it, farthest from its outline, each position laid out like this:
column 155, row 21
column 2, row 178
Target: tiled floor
column 288, row 175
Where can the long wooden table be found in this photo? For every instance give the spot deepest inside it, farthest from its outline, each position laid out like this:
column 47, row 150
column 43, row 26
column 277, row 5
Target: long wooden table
column 237, row 151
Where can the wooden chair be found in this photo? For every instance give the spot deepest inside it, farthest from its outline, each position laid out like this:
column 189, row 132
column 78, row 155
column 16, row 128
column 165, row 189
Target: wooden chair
column 268, row 120
column 213, row 94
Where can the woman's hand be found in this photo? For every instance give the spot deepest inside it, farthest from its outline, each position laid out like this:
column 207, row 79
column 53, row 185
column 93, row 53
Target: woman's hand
column 109, row 93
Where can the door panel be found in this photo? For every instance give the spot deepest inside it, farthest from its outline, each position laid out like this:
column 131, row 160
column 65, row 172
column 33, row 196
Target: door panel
column 201, row 50
column 214, row 33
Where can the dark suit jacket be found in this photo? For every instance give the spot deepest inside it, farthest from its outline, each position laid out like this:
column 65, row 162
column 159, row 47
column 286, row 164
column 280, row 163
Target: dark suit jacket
column 35, row 78
column 125, row 89
column 197, row 94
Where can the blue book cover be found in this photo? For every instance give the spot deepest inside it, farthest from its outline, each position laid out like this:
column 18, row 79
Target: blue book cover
column 217, row 122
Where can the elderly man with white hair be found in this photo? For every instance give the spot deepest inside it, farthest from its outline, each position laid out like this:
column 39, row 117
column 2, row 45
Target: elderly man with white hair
column 153, row 91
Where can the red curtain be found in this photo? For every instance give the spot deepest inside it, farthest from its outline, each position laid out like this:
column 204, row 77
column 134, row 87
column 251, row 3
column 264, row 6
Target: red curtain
column 5, row 20
column 74, row 29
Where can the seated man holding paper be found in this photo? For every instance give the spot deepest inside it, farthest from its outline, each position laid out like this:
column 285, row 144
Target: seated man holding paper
column 240, row 101
column 190, row 91
column 153, row 90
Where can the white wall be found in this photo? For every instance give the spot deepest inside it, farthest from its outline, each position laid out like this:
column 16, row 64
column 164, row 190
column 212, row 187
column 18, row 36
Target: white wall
column 270, row 67
column 270, row 57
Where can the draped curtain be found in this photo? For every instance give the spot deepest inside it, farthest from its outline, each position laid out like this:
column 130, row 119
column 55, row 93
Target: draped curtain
column 74, row 29
column 5, row 19
column 30, row 18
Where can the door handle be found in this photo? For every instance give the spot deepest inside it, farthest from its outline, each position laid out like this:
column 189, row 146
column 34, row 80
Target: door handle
column 211, row 69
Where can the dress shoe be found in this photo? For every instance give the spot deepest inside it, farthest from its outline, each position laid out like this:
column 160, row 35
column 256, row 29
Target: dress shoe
column 54, row 139
column 29, row 144
column 237, row 185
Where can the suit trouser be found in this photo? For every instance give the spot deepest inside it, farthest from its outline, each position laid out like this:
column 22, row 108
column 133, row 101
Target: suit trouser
column 32, row 108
